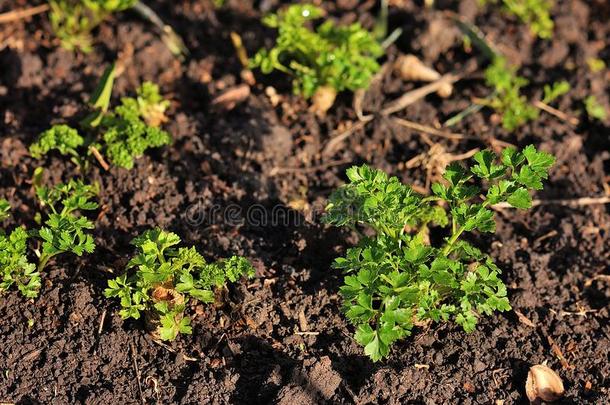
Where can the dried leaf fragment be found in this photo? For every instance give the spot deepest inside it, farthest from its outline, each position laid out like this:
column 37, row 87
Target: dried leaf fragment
column 524, row 319
column 232, row 96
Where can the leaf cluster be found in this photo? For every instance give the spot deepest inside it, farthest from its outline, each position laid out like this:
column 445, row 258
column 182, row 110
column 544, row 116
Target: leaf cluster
column 381, row 202
column 535, row 13
column 62, row 138
column 165, row 277
column 123, row 134
column 65, row 229
column 15, row 268
column 151, row 104
column 555, row 90
column 507, row 99
column 73, row 21
column 127, row 133
column 397, row 278
column 341, row 57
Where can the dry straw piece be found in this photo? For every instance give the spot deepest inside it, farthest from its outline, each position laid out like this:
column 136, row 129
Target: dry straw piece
column 543, row 384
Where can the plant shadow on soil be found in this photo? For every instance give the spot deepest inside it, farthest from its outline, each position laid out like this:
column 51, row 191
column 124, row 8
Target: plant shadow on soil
column 269, row 375
column 27, row 88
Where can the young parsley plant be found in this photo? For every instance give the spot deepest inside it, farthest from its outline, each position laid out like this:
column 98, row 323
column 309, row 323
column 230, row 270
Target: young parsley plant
column 166, row 277
column 65, row 230
column 397, row 278
column 73, row 21
column 342, row 58
column 507, row 99
column 555, row 90
column 15, row 269
column 122, row 134
column 535, row 13
column 63, row 138
column 126, row 132
column 594, row 108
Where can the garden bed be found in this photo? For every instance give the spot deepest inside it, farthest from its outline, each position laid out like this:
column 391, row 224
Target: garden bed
column 281, row 337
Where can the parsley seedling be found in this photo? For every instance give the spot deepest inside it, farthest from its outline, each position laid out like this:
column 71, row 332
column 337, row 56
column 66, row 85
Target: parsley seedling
column 123, row 134
column 340, row 58
column 63, row 138
column 15, row 269
column 594, row 108
column 165, row 278
column 535, row 13
column 555, row 90
column 128, row 131
column 65, row 230
column 151, row 105
column 507, row 99
column 73, row 20
column 398, row 278
column 596, row 64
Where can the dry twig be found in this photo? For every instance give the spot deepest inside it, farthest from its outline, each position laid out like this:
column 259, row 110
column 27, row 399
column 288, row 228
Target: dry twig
column 557, row 351
column 435, row 160
column 394, row 106
column 414, row 95
column 524, row 319
column 334, row 142
column 555, row 112
column 603, row 277
column 360, row 94
column 102, row 318
column 357, row 105
column 306, row 333
column 137, row 369
column 429, row 130
column 15, row 15
column 100, row 159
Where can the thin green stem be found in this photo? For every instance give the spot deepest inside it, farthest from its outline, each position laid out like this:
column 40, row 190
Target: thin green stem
column 44, row 260
column 454, row 237
column 52, row 208
column 456, row 233
column 161, row 255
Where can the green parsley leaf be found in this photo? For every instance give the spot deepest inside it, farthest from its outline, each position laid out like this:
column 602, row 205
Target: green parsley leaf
column 520, row 199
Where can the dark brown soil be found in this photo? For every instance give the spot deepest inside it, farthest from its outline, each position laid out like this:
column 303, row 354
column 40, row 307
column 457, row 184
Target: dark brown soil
column 555, row 258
